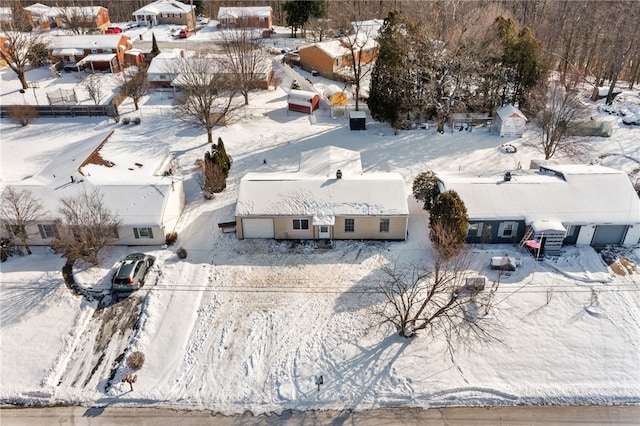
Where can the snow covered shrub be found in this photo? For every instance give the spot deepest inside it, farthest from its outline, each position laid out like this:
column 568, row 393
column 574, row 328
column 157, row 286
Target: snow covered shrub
column 135, row 360
column 182, row 253
column 126, row 120
column 136, row 120
column 22, row 114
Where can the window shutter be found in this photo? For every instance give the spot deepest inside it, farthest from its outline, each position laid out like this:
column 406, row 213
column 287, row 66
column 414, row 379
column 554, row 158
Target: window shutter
column 42, row 234
column 150, row 233
column 135, row 233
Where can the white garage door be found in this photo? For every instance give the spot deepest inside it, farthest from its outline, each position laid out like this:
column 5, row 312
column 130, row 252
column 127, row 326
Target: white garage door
column 257, row 228
column 609, row 234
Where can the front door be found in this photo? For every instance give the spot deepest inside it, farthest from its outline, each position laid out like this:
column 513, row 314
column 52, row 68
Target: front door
column 324, row 232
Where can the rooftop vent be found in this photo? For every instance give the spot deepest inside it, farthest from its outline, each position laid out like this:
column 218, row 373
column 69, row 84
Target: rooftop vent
column 339, row 174
column 507, row 176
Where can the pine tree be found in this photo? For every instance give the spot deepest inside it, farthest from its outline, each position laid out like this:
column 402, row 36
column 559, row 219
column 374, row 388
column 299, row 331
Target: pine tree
column 155, row 50
column 425, row 188
column 449, row 214
column 388, row 86
column 221, row 157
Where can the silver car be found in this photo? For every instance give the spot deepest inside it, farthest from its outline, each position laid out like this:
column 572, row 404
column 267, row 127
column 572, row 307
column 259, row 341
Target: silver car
column 131, row 272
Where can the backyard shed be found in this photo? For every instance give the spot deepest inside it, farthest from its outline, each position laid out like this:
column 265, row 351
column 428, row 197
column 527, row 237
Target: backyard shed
column 303, row 101
column 357, row 120
column 509, row 121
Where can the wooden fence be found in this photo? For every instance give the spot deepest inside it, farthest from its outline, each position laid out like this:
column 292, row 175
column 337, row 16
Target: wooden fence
column 67, row 110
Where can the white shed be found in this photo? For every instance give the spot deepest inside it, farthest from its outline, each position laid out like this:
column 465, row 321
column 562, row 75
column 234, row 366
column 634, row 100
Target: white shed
column 509, row 121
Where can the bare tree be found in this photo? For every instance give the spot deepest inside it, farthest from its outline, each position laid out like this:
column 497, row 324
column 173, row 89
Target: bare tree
column 435, row 300
column 207, row 91
column 246, row 58
column 363, row 50
column 94, row 86
column 19, row 212
column 559, row 107
column 77, row 19
column 16, row 51
column 85, row 229
column 135, row 84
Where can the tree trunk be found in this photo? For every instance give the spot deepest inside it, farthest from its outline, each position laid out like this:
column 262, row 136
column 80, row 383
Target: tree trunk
column 23, row 79
column 246, row 97
column 210, row 135
column 25, row 244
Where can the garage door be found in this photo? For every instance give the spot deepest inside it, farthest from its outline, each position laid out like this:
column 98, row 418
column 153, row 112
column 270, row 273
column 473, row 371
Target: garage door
column 609, row 234
column 257, row 228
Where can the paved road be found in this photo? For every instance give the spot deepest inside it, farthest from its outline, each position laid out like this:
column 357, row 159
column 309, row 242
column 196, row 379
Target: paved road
column 490, row 416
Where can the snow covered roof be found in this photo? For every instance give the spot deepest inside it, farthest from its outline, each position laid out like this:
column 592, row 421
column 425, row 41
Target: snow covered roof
column 574, row 194
column 129, row 179
column 38, row 9
column 236, row 12
column 98, row 57
column 93, row 41
column 316, row 191
column 74, row 11
column 163, row 6
column 371, row 27
column 340, row 47
column 509, row 111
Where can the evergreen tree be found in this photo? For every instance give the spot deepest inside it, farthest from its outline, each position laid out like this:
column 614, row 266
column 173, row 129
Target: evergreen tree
column 300, row 11
column 388, row 85
column 425, row 188
column 221, row 158
column 155, row 50
column 449, row 213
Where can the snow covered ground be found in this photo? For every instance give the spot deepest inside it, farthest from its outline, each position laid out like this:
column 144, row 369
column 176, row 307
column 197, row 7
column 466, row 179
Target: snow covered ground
column 249, row 325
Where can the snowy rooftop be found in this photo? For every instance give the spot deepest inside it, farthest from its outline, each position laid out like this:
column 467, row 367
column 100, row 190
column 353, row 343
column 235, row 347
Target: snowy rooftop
column 163, row 6
column 130, row 179
column 235, row 12
column 509, row 111
column 340, row 47
column 74, row 11
column 96, row 41
column 316, row 191
column 578, row 194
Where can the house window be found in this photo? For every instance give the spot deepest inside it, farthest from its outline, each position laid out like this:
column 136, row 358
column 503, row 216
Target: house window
column 384, row 225
column 349, row 225
column 16, row 230
column 142, row 233
column 93, row 50
column 48, row 231
column 474, row 229
column 508, row 229
column 299, row 224
column 163, row 77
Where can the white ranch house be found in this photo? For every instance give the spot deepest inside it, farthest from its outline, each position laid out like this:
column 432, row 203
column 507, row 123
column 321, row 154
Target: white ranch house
column 328, row 198
column 136, row 184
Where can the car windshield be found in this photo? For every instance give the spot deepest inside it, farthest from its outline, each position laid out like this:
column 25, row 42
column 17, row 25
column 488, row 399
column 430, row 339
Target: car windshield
column 126, row 268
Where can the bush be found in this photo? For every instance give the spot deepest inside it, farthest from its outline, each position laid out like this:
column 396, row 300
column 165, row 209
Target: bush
column 6, row 249
column 171, row 238
column 126, row 120
column 22, row 114
column 135, row 361
column 182, row 253
column 136, row 120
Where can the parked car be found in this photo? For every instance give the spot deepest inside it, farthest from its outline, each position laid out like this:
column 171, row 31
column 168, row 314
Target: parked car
column 113, row 30
column 184, row 33
column 131, row 272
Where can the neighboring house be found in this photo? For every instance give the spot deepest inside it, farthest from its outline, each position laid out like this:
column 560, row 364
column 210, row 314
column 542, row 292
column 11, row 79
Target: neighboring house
column 332, row 59
column 40, row 15
column 371, row 27
column 554, row 205
column 100, row 52
column 136, row 185
column 509, row 121
column 166, row 12
column 163, row 70
column 245, row 17
column 91, row 17
column 328, row 198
